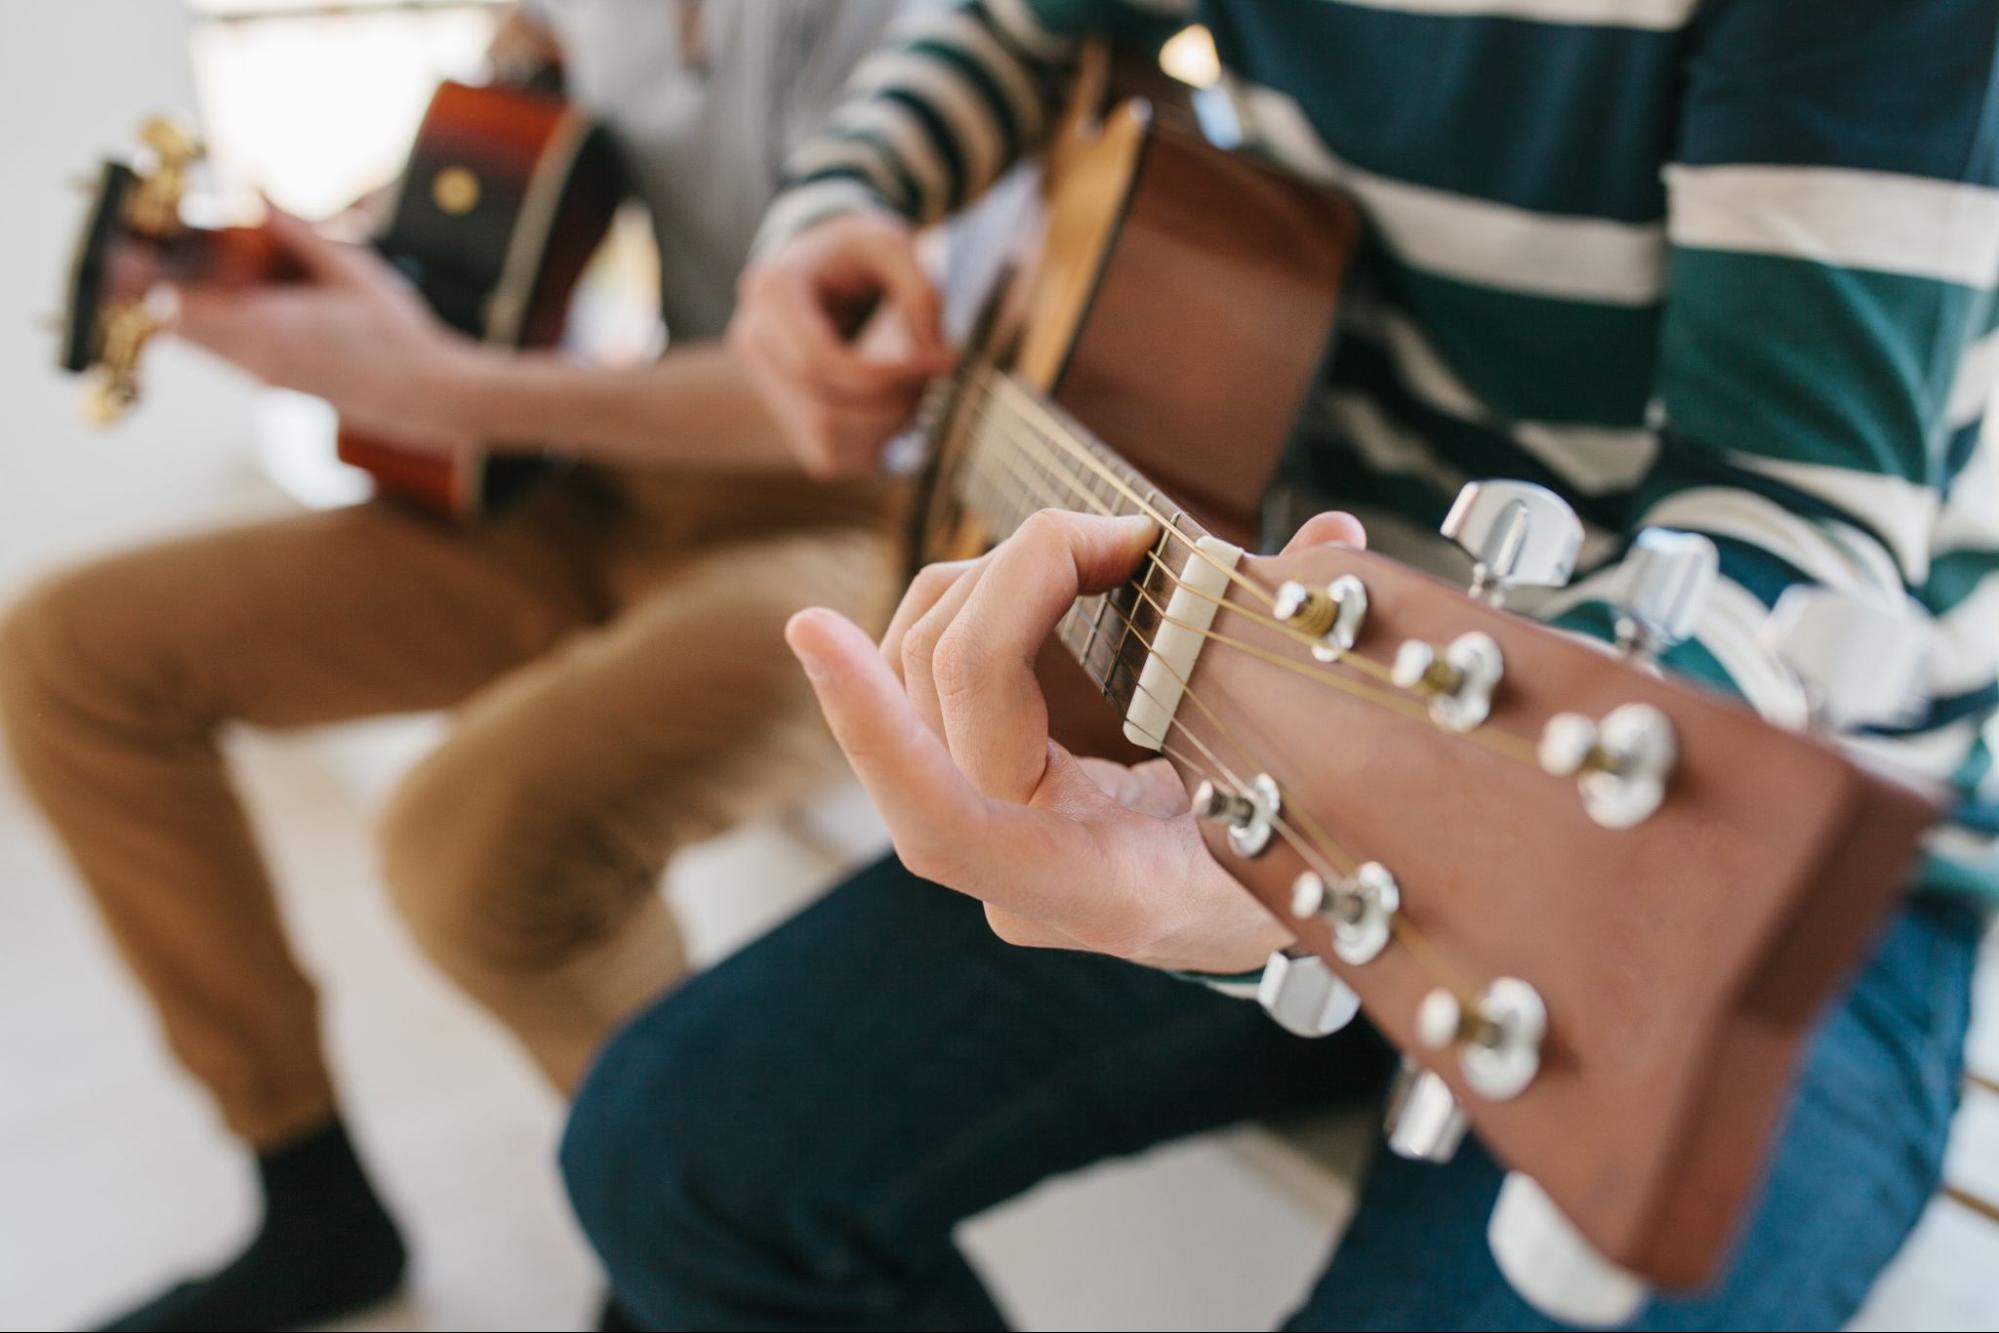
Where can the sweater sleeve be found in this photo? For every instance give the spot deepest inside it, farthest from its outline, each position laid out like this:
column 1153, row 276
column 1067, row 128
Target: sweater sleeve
column 953, row 98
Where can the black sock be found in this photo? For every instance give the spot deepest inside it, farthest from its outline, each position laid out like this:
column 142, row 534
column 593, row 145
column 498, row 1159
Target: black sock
column 326, row 1247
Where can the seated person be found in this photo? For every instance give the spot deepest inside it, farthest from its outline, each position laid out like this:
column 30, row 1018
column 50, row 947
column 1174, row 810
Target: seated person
column 611, row 645
column 1726, row 268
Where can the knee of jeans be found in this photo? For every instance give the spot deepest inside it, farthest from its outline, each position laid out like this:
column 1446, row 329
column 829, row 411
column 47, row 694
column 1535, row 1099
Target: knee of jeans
column 495, row 873
column 640, row 1149
column 699, row 1183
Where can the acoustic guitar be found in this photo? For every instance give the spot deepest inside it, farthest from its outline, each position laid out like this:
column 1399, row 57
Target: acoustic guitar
column 1597, row 909
column 507, row 194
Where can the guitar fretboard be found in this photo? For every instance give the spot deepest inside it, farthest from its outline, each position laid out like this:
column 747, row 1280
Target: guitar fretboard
column 1022, row 454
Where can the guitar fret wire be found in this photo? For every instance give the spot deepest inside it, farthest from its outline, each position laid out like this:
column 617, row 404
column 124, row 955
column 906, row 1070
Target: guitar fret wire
column 1427, row 956
column 1316, row 845
column 1052, row 431
column 1131, row 628
column 1494, row 738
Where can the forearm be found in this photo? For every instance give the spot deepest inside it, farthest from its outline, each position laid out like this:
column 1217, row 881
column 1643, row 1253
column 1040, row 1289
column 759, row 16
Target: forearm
column 694, row 407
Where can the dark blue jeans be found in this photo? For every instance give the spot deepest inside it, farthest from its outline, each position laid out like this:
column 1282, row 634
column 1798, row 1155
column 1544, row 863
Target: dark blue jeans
column 787, row 1141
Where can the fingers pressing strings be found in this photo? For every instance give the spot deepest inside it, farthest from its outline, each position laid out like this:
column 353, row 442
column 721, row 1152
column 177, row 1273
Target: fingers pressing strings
column 1040, row 444
column 1314, row 844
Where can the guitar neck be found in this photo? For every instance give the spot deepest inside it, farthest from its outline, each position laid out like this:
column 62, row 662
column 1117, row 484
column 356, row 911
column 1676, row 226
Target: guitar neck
column 1011, row 453
column 226, row 256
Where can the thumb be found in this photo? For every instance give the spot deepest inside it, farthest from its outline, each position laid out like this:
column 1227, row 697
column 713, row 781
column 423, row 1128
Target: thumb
column 1330, row 528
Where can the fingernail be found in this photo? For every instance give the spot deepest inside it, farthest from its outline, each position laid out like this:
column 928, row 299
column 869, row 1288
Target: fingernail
column 797, row 635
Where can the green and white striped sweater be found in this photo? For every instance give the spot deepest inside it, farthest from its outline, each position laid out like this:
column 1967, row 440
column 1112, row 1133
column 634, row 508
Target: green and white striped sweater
column 1719, row 265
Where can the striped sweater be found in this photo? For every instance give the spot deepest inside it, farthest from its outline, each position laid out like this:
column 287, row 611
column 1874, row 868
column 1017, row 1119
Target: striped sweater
column 1719, row 265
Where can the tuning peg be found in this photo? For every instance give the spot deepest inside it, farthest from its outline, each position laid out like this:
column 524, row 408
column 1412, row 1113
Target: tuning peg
column 1361, row 908
column 1550, row 1264
column 171, row 142
column 1251, row 816
column 1517, row 534
column 1663, row 590
column 1458, row 680
column 1304, row 996
column 1333, row 616
column 1858, row 660
column 1622, row 763
column 1424, row 1121
column 1498, row 1039
column 152, row 208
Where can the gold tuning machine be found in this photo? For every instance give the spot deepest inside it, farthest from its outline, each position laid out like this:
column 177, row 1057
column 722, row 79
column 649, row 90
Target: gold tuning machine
column 153, row 207
column 123, row 332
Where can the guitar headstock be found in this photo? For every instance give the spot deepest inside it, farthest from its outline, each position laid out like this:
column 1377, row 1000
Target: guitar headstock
column 134, row 209
column 1596, row 908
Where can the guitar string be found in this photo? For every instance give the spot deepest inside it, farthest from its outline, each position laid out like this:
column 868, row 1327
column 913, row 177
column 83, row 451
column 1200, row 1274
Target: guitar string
column 1964, row 1198
column 1328, row 856
column 1329, row 846
column 1054, row 432
column 1317, row 845
column 1325, row 856
column 1494, row 738
column 1401, row 927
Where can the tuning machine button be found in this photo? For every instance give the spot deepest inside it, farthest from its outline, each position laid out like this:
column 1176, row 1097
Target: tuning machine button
column 123, row 331
column 1663, row 589
column 1333, row 615
column 1303, row 996
column 1458, row 681
column 153, row 206
column 1622, row 764
column 1251, row 816
column 1360, row 907
column 1553, row 1268
column 1424, row 1121
column 1517, row 534
column 1498, row 1040
column 1856, row 660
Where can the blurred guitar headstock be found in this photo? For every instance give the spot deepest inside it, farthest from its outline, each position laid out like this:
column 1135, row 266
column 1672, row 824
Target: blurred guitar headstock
column 135, row 209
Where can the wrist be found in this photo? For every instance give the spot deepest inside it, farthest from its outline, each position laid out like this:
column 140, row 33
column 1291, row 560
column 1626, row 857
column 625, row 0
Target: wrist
column 454, row 390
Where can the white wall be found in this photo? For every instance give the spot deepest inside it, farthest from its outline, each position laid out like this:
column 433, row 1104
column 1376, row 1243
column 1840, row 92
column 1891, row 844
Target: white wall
column 76, row 76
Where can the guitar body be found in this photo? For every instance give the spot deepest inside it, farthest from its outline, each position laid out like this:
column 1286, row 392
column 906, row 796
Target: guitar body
column 507, row 194
column 1186, row 333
